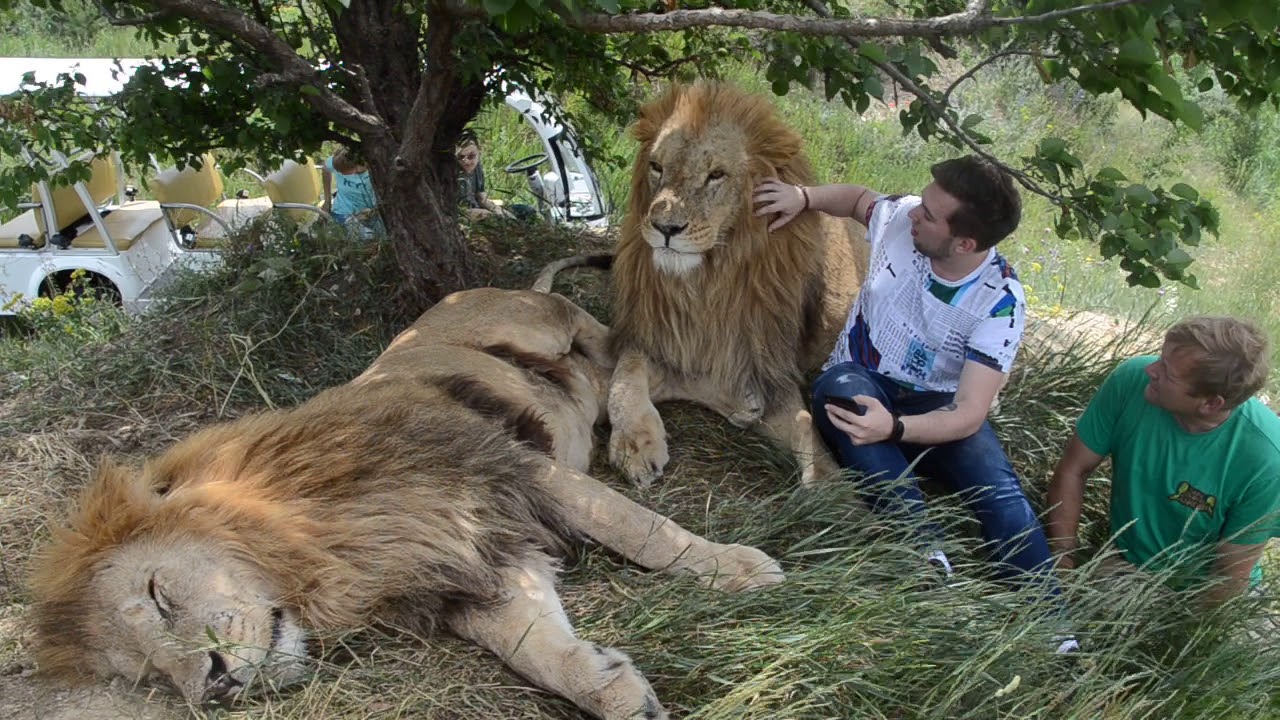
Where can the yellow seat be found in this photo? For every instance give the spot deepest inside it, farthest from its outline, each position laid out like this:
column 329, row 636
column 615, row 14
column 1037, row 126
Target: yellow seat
column 124, row 225
column 203, row 187
column 193, row 186
column 295, row 185
column 25, row 224
column 68, row 207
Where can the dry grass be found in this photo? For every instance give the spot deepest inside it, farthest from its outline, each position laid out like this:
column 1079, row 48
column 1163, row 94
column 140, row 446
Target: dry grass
column 853, row 633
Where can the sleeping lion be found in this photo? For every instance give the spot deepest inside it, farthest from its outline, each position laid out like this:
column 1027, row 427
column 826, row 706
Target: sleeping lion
column 434, row 490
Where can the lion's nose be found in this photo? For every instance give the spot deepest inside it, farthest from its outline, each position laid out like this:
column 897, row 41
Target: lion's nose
column 669, row 230
column 219, row 685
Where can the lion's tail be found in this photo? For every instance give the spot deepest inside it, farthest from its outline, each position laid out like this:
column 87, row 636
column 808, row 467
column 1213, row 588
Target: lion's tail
column 547, row 276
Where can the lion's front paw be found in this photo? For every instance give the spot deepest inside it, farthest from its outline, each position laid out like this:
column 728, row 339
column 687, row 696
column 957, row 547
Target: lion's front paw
column 736, row 568
column 750, row 412
column 640, row 451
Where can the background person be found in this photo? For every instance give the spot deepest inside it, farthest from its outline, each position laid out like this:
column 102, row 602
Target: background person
column 925, row 349
column 471, row 187
column 354, row 195
column 1195, row 458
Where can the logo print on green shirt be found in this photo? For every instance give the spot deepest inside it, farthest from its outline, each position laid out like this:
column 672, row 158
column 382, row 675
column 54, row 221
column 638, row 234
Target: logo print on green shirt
column 1194, row 499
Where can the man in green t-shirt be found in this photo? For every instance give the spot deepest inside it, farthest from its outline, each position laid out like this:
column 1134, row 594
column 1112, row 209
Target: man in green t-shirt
column 1195, row 458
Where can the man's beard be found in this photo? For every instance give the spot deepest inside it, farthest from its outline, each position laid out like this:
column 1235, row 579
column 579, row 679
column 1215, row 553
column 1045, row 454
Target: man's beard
column 932, row 253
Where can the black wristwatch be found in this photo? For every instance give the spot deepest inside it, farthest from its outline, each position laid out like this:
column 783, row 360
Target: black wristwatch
column 898, row 428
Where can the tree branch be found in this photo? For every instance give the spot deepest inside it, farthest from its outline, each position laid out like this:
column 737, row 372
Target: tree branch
column 946, row 96
column 939, row 109
column 132, row 20
column 429, row 104
column 975, row 18
column 293, row 70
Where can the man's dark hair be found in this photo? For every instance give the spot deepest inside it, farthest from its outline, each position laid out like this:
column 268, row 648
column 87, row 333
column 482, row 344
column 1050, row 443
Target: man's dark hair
column 990, row 207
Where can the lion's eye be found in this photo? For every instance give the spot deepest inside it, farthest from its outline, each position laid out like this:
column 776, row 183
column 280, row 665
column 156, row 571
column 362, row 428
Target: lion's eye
column 162, row 603
column 655, row 168
column 715, row 175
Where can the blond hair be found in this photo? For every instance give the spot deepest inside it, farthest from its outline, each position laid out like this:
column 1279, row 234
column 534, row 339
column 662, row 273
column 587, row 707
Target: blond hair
column 1233, row 356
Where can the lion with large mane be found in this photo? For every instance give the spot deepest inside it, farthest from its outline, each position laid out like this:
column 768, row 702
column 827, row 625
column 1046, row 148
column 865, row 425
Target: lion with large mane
column 710, row 306
column 434, row 490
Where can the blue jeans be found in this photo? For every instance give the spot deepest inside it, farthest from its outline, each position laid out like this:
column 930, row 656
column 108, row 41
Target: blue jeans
column 975, row 466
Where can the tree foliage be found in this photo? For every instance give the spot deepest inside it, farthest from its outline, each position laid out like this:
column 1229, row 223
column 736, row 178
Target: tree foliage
column 401, row 78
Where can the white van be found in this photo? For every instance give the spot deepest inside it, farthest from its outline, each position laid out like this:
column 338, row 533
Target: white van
column 130, row 248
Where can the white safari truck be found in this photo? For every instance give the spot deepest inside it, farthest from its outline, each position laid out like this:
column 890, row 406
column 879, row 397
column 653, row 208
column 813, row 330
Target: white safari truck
column 128, row 248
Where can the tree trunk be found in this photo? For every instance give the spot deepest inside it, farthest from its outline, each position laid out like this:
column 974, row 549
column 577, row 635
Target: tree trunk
column 421, row 216
column 411, row 164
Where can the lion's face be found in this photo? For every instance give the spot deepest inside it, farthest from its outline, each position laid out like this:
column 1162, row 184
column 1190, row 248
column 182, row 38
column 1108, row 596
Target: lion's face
column 183, row 611
column 698, row 180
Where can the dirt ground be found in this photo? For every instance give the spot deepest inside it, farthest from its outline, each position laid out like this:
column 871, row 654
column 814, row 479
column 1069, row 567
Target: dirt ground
column 25, row 697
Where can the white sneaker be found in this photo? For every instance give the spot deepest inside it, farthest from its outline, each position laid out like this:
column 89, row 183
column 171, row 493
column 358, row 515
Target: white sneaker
column 939, row 560
column 1066, row 644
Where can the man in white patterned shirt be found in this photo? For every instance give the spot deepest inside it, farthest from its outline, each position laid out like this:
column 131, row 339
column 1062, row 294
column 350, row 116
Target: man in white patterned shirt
column 927, row 346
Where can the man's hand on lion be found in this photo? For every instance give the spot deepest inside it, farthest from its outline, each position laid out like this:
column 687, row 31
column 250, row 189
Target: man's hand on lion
column 873, row 426
column 776, row 197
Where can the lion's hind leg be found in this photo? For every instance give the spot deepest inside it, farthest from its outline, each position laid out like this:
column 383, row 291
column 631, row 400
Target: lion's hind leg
column 529, row 630
column 791, row 426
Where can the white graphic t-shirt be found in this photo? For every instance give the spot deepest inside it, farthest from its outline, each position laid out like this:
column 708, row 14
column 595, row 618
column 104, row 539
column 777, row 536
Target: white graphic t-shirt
column 918, row 329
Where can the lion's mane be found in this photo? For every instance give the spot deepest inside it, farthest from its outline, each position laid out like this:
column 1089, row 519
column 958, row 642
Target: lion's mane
column 763, row 306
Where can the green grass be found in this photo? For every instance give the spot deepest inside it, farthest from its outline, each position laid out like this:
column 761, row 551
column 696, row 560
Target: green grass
column 856, row 631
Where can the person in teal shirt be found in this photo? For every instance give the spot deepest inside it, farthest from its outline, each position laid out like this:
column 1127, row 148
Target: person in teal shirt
column 354, row 197
column 1195, row 458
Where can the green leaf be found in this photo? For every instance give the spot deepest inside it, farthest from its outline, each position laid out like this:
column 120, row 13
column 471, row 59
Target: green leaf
column 1185, row 191
column 1137, row 241
column 1265, row 16
column 1191, row 114
column 1205, row 84
column 872, row 86
column 1136, row 52
column 498, row 7
column 1051, row 147
column 1168, row 87
column 872, row 52
column 1112, row 174
column 1177, row 258
column 1141, row 193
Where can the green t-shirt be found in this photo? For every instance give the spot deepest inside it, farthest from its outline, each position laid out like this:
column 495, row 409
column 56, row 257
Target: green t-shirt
column 1177, row 492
